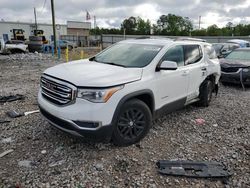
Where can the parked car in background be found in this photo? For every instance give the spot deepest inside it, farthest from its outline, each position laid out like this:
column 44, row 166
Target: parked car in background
column 242, row 43
column 117, row 93
column 223, row 49
column 12, row 46
column 64, row 43
column 235, row 67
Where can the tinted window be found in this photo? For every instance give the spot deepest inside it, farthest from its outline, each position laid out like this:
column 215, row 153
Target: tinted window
column 209, row 50
column 175, row 54
column 193, row 54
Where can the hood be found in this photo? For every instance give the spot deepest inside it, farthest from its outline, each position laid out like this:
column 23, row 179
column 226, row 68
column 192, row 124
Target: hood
column 234, row 63
column 87, row 73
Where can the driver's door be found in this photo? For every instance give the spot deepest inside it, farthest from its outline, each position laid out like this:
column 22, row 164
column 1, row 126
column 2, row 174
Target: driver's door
column 172, row 85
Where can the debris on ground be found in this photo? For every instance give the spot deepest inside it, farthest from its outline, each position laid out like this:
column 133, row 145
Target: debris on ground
column 4, row 121
column 11, row 98
column 6, row 153
column 6, row 140
column 193, row 169
column 15, row 114
column 200, row 121
column 26, row 163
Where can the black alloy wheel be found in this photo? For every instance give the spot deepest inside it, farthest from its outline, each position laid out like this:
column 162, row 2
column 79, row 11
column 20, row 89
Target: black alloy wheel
column 133, row 123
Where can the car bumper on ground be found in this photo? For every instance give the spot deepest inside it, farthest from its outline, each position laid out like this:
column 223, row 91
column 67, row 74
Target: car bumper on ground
column 235, row 77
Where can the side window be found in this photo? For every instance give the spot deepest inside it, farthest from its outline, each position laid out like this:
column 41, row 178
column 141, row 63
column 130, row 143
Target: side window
column 193, row 54
column 209, row 50
column 175, row 54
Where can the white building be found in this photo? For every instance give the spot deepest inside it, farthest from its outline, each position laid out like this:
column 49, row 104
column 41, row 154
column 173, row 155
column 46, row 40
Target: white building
column 72, row 28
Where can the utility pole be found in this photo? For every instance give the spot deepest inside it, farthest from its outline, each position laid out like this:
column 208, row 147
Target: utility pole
column 95, row 26
column 54, row 25
column 35, row 20
column 199, row 22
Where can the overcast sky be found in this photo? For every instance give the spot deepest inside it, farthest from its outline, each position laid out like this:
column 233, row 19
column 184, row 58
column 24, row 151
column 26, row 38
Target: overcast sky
column 110, row 13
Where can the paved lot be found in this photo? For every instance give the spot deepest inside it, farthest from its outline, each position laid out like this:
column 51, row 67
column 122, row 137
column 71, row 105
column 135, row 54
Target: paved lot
column 45, row 157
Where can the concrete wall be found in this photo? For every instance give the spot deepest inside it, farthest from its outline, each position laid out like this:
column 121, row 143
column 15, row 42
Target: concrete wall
column 108, row 40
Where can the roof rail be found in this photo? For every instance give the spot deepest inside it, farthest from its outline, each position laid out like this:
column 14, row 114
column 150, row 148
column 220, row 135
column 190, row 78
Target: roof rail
column 145, row 37
column 190, row 39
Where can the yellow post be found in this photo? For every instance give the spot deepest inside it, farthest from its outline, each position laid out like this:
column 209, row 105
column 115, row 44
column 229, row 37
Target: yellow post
column 67, row 54
column 82, row 54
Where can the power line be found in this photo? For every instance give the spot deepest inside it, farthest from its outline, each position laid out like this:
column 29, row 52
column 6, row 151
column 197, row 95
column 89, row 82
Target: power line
column 44, row 4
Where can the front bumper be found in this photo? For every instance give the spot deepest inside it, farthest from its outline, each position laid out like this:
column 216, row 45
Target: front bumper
column 100, row 134
column 235, row 77
column 82, row 118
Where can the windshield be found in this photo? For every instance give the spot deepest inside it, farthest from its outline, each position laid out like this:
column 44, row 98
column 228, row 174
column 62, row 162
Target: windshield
column 239, row 55
column 129, row 54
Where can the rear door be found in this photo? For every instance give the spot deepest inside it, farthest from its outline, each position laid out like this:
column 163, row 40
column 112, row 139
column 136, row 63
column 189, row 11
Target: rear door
column 195, row 68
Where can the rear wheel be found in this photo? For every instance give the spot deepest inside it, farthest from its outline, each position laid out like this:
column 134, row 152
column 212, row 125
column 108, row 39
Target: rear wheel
column 132, row 124
column 206, row 91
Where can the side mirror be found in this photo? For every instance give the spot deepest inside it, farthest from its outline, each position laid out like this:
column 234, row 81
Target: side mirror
column 168, row 65
column 224, row 51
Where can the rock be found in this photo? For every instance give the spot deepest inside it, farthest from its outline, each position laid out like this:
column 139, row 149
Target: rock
column 234, row 156
column 58, row 163
column 43, row 151
column 26, row 163
column 99, row 166
column 7, row 140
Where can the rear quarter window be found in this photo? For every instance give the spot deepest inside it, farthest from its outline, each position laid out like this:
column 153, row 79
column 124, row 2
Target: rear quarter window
column 209, row 50
column 193, row 54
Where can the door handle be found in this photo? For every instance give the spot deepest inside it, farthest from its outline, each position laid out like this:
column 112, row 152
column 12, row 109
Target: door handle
column 185, row 73
column 203, row 68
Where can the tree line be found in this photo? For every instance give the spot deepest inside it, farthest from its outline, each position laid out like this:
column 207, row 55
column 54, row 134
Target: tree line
column 172, row 25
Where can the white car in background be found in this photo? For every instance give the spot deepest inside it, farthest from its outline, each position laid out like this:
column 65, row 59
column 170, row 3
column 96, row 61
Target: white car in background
column 12, row 46
column 117, row 93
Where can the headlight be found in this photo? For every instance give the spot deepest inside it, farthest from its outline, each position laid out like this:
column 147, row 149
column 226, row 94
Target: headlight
column 245, row 70
column 97, row 95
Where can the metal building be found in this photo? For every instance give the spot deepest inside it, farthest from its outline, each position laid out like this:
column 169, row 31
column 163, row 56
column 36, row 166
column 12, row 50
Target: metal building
column 72, row 28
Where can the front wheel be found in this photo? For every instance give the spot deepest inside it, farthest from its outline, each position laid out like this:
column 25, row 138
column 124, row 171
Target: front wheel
column 132, row 124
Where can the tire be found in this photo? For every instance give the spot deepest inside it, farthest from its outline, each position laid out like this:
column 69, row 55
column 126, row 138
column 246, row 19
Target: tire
column 35, row 38
column 70, row 48
column 206, row 91
column 132, row 123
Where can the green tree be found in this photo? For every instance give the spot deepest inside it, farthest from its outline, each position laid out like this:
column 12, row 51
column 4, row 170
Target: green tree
column 174, row 25
column 142, row 27
column 213, row 30
column 129, row 25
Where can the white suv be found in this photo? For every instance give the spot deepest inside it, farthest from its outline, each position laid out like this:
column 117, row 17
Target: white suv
column 117, row 93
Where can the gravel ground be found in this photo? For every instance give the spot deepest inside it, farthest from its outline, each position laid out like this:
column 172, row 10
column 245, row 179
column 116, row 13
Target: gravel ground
column 42, row 156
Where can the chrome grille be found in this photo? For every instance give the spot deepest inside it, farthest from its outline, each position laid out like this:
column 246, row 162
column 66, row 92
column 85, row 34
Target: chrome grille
column 57, row 91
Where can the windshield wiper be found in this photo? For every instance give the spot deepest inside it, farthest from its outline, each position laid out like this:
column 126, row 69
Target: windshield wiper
column 110, row 63
column 93, row 59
